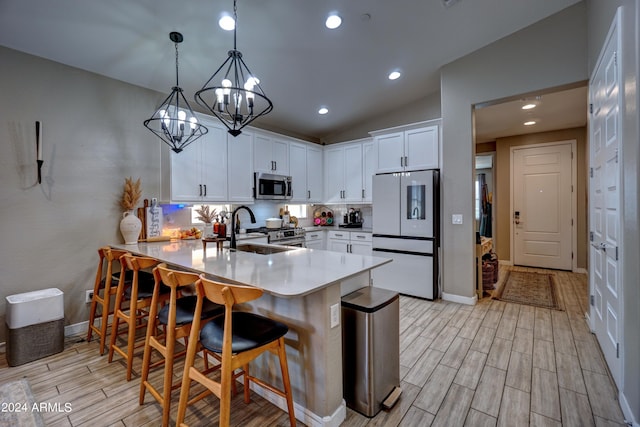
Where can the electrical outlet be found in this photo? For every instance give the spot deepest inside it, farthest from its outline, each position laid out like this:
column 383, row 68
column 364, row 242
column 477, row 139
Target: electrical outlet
column 335, row 315
column 456, row 219
column 88, row 296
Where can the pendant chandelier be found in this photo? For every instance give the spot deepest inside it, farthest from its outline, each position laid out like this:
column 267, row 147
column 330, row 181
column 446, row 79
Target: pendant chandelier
column 174, row 121
column 233, row 94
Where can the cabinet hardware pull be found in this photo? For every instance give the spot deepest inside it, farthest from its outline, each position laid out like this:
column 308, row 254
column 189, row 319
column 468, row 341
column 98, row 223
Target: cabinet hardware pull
column 363, row 193
column 200, row 190
column 406, row 162
column 205, row 190
column 401, row 161
column 308, row 194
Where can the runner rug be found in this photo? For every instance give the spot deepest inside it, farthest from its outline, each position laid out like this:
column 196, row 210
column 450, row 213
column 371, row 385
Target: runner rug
column 19, row 408
column 537, row 289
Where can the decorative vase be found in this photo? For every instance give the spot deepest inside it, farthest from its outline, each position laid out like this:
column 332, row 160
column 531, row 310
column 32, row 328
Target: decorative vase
column 207, row 233
column 130, row 227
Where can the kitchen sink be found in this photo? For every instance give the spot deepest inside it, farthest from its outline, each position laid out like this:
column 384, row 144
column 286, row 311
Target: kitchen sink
column 262, row 249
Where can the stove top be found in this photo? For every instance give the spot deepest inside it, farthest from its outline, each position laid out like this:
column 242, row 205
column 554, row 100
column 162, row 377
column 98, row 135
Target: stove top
column 266, row 230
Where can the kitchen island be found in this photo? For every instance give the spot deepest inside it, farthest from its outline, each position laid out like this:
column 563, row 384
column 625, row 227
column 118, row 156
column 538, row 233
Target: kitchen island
column 301, row 287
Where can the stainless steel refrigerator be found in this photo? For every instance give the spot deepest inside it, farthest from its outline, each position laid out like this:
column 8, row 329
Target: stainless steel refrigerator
column 406, row 228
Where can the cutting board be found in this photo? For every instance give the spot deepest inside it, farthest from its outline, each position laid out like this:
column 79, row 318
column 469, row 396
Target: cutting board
column 154, row 222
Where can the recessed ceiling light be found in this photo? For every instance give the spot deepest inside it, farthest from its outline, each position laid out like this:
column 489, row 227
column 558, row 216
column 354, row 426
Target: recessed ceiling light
column 528, row 106
column 394, row 75
column 529, row 123
column 227, row 23
column 323, row 110
column 333, row 21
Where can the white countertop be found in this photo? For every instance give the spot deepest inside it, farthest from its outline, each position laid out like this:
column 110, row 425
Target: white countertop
column 292, row 273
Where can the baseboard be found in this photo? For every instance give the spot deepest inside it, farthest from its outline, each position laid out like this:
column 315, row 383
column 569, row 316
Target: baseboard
column 303, row 414
column 460, row 299
column 76, row 328
column 626, row 411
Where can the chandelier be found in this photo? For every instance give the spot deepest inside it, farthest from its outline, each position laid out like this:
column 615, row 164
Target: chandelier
column 174, row 121
column 233, row 94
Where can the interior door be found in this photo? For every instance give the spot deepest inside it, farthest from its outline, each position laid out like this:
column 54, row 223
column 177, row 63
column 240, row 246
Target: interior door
column 604, row 208
column 542, row 223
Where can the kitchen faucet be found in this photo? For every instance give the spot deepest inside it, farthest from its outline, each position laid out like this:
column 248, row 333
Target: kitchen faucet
column 232, row 245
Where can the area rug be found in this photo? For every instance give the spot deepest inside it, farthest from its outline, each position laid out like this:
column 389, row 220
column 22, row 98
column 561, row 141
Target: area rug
column 537, row 289
column 18, row 406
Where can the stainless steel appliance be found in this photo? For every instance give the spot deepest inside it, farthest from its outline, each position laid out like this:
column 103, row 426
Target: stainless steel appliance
column 370, row 348
column 267, row 186
column 283, row 236
column 352, row 219
column 406, row 225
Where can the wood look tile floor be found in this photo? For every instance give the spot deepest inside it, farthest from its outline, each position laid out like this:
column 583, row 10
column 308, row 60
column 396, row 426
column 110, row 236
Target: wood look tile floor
column 492, row 364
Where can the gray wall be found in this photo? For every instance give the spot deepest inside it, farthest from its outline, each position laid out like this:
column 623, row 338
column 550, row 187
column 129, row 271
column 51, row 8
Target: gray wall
column 547, row 54
column 600, row 16
column 93, row 138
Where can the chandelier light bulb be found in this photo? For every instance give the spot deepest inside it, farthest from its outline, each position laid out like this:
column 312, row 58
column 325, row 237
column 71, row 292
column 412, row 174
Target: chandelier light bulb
column 194, row 123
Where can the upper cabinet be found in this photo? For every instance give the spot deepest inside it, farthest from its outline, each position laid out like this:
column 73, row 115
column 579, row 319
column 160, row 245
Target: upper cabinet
column 347, row 170
column 240, row 154
column 408, row 148
column 199, row 172
column 271, row 154
column 305, row 168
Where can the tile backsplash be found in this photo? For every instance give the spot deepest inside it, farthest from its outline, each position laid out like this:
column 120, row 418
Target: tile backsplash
column 178, row 216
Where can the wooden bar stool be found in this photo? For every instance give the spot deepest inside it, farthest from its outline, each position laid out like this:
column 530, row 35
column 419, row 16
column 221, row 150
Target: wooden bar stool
column 104, row 289
column 239, row 337
column 139, row 295
column 176, row 318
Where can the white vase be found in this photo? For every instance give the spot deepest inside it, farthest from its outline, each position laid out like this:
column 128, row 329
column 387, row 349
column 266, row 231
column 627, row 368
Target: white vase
column 208, row 230
column 130, row 227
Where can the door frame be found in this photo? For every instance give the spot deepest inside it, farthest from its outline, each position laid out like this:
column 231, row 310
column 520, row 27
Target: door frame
column 574, row 196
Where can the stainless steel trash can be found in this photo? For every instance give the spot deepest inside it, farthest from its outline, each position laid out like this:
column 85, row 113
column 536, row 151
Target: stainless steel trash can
column 370, row 348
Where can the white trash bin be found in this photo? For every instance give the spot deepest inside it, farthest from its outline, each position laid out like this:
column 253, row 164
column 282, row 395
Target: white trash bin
column 34, row 325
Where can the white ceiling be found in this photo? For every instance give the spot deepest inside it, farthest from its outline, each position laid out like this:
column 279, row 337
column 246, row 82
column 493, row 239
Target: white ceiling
column 562, row 109
column 300, row 63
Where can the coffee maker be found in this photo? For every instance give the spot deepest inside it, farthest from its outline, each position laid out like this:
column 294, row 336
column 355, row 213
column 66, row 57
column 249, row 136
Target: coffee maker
column 352, row 219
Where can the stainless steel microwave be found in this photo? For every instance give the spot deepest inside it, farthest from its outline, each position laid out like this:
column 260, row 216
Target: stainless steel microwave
column 271, row 187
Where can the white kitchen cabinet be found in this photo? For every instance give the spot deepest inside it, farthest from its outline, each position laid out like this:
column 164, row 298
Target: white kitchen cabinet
column 345, row 167
column 413, row 147
column 271, row 154
column 315, row 175
column 199, row 172
column 355, row 242
column 305, row 169
column 315, row 239
column 368, row 170
column 240, row 178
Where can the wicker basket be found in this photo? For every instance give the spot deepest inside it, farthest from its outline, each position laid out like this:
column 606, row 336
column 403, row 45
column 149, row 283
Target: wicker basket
column 487, row 275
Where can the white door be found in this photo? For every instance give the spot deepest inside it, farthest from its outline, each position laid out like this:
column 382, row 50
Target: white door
column 604, row 208
column 353, row 173
column 542, row 205
column 421, row 148
column 386, row 204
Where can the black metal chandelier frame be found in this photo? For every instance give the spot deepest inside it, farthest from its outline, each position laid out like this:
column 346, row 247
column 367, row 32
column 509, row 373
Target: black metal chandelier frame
column 174, row 122
column 235, row 97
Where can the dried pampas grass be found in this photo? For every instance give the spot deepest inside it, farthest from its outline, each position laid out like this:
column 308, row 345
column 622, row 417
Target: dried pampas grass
column 205, row 215
column 131, row 194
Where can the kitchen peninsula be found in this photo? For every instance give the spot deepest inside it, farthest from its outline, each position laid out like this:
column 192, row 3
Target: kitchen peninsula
column 301, row 286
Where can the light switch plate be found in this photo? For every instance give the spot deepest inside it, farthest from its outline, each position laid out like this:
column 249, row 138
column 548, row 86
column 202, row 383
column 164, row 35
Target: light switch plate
column 456, row 219
column 335, row 315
